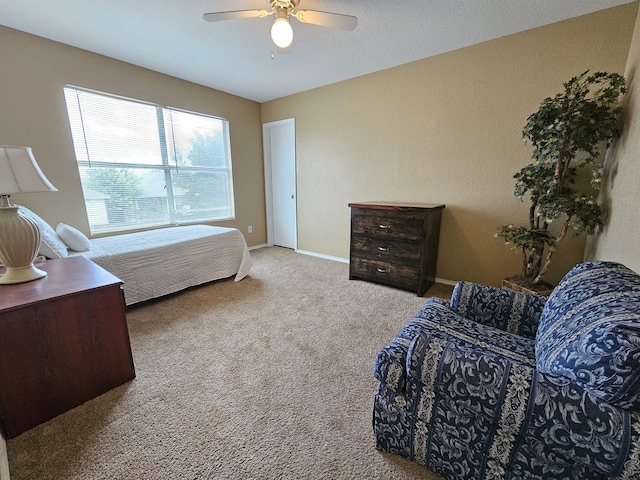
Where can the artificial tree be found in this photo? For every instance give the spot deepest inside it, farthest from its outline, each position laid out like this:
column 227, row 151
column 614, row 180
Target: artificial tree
column 569, row 134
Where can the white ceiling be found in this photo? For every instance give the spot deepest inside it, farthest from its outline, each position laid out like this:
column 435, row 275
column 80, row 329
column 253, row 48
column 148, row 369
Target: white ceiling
column 237, row 56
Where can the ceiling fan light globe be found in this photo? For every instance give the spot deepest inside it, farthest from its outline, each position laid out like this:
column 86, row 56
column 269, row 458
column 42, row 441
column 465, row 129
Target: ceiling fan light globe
column 281, row 33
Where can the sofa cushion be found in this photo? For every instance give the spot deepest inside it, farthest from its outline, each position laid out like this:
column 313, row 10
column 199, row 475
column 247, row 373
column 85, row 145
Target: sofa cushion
column 507, row 310
column 589, row 332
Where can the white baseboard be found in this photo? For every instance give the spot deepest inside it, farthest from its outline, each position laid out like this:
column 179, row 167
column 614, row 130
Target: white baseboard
column 305, row 252
column 443, row 281
column 320, row 255
column 446, row 282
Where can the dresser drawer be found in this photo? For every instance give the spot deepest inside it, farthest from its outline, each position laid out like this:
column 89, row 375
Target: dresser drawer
column 392, row 274
column 385, row 250
column 398, row 228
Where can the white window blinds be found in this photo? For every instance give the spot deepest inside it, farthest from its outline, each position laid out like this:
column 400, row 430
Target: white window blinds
column 144, row 165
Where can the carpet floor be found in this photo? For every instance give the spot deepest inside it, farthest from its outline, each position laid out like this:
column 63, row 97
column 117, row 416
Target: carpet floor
column 267, row 378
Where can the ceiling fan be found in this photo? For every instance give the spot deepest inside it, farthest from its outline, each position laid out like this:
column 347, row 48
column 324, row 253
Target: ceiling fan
column 282, row 10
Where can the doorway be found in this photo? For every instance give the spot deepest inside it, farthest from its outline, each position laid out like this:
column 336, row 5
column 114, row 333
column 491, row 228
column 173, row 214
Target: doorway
column 279, row 144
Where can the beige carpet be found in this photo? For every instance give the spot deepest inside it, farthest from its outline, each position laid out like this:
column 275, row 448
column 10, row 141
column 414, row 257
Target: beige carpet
column 268, row 378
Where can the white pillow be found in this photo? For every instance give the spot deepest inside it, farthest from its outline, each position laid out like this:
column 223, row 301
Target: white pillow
column 74, row 238
column 51, row 246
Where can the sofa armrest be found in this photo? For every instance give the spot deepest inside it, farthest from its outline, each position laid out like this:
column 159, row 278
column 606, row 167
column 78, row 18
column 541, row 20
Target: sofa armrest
column 389, row 368
column 390, row 365
column 511, row 311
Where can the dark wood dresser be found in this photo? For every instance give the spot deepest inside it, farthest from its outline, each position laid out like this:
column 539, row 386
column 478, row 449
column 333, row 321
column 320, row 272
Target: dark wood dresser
column 395, row 244
column 63, row 341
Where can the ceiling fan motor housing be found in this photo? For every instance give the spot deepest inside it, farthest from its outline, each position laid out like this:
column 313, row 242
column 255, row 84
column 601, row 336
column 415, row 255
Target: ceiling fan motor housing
column 283, row 8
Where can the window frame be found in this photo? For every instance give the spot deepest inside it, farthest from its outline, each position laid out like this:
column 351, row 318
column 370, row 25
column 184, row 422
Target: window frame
column 168, row 167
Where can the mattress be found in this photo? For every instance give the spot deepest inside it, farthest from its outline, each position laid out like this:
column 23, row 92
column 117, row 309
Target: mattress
column 158, row 262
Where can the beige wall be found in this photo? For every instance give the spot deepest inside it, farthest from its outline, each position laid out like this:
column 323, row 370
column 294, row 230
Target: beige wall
column 446, row 129
column 620, row 239
column 33, row 113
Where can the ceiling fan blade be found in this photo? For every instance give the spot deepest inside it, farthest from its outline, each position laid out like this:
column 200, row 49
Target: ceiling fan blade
column 326, row 19
column 220, row 16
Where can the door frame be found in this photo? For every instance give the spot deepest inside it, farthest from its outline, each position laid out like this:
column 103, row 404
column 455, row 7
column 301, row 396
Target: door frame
column 268, row 181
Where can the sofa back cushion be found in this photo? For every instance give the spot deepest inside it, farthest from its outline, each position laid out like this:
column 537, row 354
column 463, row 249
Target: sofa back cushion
column 589, row 331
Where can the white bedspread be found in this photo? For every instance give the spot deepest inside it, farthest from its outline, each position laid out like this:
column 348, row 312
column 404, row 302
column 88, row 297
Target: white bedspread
column 158, row 262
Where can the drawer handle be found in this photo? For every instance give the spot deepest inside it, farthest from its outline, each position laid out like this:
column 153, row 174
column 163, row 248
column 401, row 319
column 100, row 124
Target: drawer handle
column 384, row 227
column 382, row 270
column 383, row 249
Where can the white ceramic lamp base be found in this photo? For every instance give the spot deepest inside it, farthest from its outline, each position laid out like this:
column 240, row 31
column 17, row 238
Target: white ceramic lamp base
column 21, row 275
column 19, row 244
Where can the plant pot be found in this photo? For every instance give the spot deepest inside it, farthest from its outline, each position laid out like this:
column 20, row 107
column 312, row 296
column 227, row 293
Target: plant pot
column 520, row 284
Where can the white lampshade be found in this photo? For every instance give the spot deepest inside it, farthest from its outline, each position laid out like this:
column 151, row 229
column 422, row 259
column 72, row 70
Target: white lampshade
column 281, row 32
column 19, row 172
column 19, row 235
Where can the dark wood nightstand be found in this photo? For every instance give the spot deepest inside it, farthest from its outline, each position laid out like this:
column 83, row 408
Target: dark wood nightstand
column 395, row 244
column 63, row 341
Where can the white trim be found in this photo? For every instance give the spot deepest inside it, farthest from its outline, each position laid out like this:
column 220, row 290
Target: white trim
column 320, row 255
column 268, row 182
column 346, row 260
column 442, row 281
column 268, row 193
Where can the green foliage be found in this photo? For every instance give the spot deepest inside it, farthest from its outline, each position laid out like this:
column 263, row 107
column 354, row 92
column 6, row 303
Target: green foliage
column 123, row 186
column 568, row 134
column 206, row 190
column 207, row 150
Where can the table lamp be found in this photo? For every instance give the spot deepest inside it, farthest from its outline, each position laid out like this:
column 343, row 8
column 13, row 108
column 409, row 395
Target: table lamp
column 19, row 235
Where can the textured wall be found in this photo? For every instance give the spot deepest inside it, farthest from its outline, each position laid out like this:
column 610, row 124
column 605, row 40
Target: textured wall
column 446, row 129
column 34, row 114
column 620, row 238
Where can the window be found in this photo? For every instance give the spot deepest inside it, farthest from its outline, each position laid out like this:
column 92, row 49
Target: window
column 144, row 165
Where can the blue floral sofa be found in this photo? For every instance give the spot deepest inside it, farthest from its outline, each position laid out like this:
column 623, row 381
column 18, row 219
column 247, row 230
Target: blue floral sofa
column 504, row 385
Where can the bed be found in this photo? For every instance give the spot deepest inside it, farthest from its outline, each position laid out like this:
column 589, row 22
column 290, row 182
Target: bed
column 153, row 263
column 159, row 262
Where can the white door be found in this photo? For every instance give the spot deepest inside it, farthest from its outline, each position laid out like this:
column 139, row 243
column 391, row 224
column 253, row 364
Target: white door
column 280, row 182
